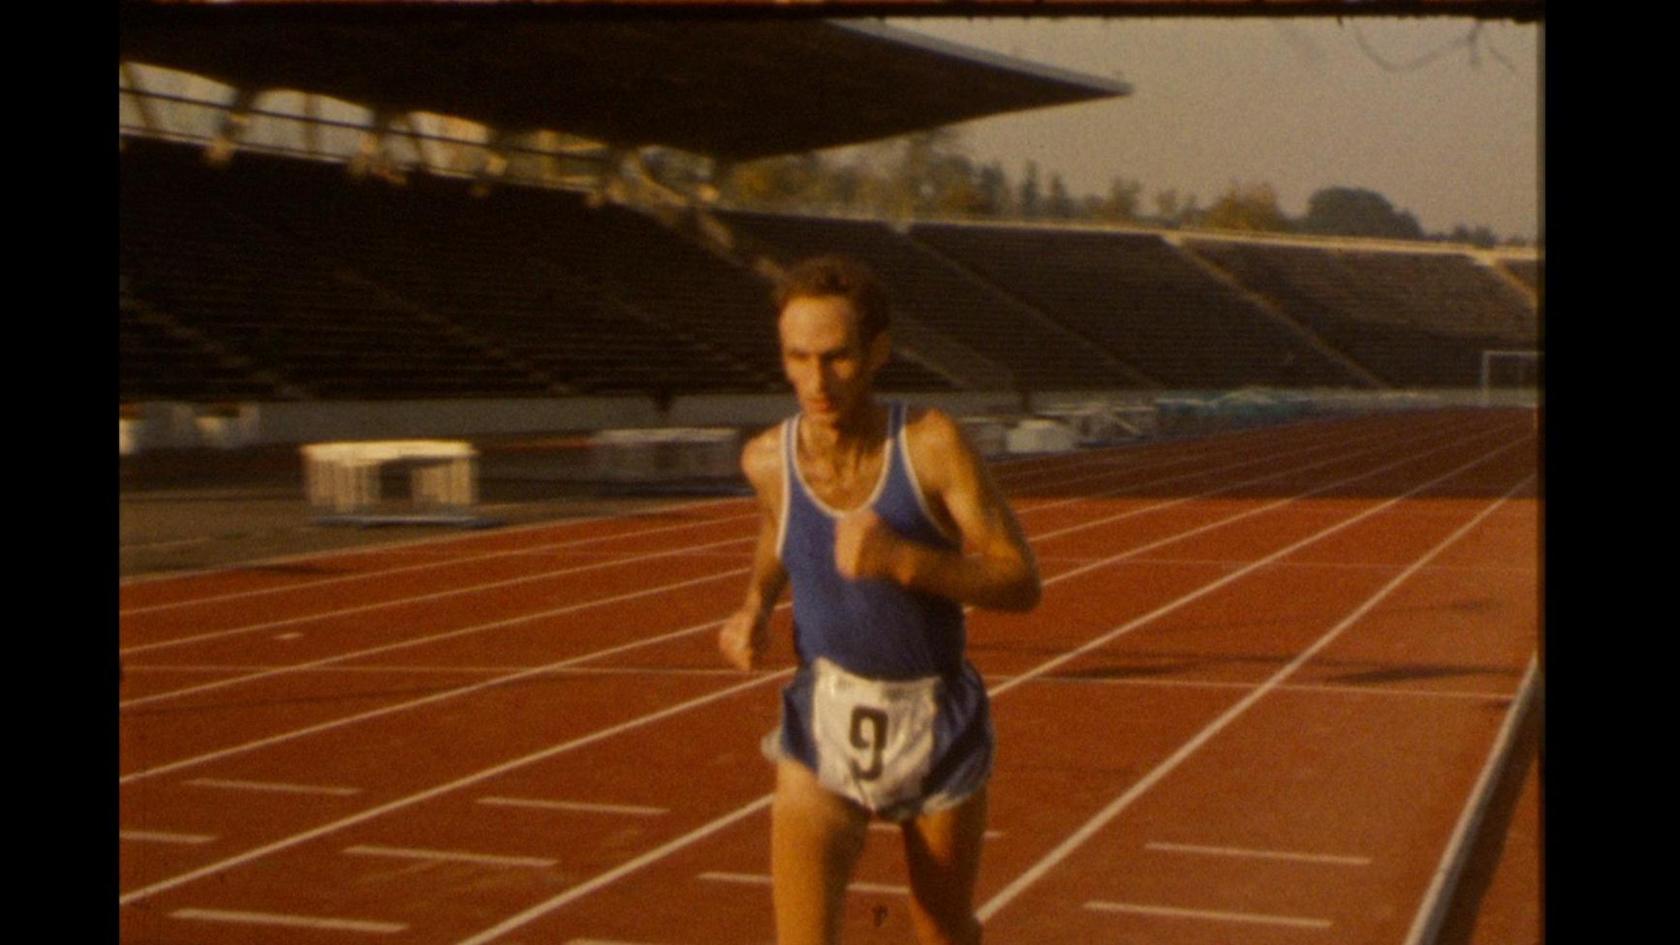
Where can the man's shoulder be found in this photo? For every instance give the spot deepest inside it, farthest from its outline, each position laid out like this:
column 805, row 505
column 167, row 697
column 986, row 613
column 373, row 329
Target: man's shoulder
column 933, row 430
column 761, row 458
column 937, row 444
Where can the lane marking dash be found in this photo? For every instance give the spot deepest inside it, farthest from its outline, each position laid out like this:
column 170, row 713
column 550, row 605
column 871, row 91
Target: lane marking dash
column 291, row 921
column 162, row 836
column 762, row 879
column 273, row 786
column 885, row 826
column 632, row 810
column 449, row 856
column 1210, row 914
column 1260, row 854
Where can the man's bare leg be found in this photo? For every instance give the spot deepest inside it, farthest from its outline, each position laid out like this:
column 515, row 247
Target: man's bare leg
column 815, row 839
column 942, row 850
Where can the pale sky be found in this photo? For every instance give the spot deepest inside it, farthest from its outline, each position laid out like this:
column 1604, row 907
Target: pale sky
column 1448, row 131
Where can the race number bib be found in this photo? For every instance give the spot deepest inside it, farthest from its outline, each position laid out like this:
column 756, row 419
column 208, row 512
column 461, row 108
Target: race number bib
column 874, row 737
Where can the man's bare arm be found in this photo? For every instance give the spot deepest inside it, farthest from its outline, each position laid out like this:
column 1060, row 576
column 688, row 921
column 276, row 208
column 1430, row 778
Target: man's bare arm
column 995, row 568
column 745, row 635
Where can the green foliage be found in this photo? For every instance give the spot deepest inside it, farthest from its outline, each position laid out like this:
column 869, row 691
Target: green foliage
column 1354, row 211
column 929, row 175
column 1247, row 207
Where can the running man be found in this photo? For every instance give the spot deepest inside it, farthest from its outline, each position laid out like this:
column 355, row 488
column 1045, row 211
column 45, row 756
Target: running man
column 886, row 523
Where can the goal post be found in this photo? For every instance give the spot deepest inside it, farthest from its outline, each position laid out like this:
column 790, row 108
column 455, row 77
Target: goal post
column 1512, row 377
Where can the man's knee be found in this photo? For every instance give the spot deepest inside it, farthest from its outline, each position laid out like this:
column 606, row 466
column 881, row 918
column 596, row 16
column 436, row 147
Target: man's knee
column 816, row 837
column 942, row 925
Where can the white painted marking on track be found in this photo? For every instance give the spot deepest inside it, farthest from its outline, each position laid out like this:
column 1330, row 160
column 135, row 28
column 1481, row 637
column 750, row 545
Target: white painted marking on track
column 1196, row 474
column 289, row 921
column 575, row 892
column 884, row 826
column 163, row 836
column 402, row 669
column 436, row 637
column 763, row 879
column 631, row 810
column 1331, row 858
column 423, row 700
column 155, row 545
column 294, row 635
column 1194, row 744
column 1432, row 912
column 484, row 775
column 482, row 587
column 273, row 786
column 449, row 856
column 1210, row 914
column 1327, row 688
column 422, row 544
column 613, row 875
column 762, row 802
column 567, row 609
column 530, row 617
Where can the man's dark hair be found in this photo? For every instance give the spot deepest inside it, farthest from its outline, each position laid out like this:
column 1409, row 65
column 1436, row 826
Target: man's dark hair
column 840, row 276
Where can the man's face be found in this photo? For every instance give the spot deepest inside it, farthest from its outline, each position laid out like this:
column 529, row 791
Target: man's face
column 829, row 366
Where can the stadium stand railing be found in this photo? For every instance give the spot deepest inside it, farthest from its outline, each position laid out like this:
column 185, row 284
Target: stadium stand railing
column 928, row 289
column 1141, row 300
column 1417, row 320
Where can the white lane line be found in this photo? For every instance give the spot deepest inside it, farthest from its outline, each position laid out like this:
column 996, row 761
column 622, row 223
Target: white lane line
column 1256, row 565
column 448, row 787
column 273, row 787
column 155, row 545
column 414, row 703
column 1373, row 689
column 1433, row 910
column 1243, row 852
column 416, row 543
column 421, row 545
column 616, row 873
column 1078, row 838
column 448, row 856
column 435, row 637
column 763, row 879
column 883, row 826
column 483, row 587
column 406, row 669
column 467, row 559
column 630, row 810
column 527, row 551
column 610, row 651
column 1130, row 489
column 590, row 885
column 658, row 853
column 1379, row 566
column 1211, row 914
column 289, row 921
column 163, row 836
column 1119, row 679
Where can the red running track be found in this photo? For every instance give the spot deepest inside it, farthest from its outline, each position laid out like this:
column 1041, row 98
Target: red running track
column 1260, row 701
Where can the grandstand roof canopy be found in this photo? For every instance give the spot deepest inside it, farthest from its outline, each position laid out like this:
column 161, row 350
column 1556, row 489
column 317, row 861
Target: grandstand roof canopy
column 736, row 88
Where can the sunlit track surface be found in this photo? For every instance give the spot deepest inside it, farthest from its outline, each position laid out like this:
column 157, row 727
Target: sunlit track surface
column 1268, row 672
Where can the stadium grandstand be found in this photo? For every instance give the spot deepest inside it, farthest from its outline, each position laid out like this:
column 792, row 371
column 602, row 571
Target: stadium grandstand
column 311, row 249
column 411, row 240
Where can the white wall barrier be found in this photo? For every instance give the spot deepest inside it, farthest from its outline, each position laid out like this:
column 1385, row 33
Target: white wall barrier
column 1095, row 416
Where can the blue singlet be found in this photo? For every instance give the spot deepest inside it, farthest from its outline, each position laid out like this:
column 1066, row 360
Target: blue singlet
column 876, row 628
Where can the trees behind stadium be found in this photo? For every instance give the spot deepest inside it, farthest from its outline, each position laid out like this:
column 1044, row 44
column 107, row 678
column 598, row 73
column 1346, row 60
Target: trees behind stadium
column 930, row 175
